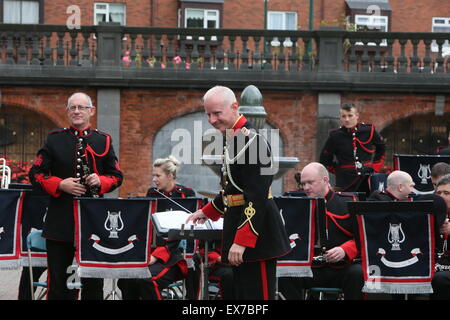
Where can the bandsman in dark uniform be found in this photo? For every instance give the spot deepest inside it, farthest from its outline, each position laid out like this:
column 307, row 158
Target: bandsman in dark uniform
column 334, row 266
column 167, row 264
column 353, row 152
column 253, row 232
column 74, row 161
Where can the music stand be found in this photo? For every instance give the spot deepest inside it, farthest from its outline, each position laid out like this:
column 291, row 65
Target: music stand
column 192, row 234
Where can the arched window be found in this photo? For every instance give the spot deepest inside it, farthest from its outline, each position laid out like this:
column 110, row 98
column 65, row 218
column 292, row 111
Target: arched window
column 22, row 133
column 183, row 136
column 417, row 134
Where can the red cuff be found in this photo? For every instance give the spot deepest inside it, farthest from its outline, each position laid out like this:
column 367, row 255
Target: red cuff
column 245, row 237
column 211, row 212
column 50, row 185
column 161, row 253
column 350, row 249
column 213, row 257
column 107, row 183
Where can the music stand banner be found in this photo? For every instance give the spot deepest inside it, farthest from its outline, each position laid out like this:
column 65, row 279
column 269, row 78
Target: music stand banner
column 419, row 167
column 397, row 246
column 34, row 209
column 11, row 202
column 299, row 221
column 113, row 237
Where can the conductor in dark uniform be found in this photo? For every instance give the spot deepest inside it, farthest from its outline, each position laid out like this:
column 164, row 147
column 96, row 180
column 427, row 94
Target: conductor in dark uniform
column 353, row 152
column 75, row 161
column 253, row 232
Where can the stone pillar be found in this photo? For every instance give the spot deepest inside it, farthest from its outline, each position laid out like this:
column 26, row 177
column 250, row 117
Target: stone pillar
column 109, row 44
column 327, row 119
column 330, row 50
column 108, row 119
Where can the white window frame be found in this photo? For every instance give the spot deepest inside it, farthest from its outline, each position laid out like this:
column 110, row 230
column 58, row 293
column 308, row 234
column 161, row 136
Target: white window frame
column 275, row 42
column 21, row 12
column 372, row 24
column 205, row 17
column 446, row 45
column 205, row 21
column 106, row 11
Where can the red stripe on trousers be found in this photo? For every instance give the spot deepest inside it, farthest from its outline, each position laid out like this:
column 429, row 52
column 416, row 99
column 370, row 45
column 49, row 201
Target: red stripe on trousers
column 265, row 288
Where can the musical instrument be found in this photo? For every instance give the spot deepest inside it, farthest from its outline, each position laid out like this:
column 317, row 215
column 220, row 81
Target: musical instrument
column 82, row 158
column 6, row 174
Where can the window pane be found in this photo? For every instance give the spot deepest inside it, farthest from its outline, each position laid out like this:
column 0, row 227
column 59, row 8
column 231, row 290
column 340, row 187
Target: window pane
column 194, row 18
column 30, row 12
column 11, row 11
column 100, row 17
column 275, row 21
column 291, row 21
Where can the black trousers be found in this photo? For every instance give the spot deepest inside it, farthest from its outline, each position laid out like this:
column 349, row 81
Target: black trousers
column 24, row 283
column 255, row 280
column 441, row 286
column 349, row 278
column 150, row 289
column 59, row 258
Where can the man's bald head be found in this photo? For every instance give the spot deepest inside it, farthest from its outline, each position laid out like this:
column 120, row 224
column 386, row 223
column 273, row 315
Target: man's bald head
column 400, row 184
column 315, row 180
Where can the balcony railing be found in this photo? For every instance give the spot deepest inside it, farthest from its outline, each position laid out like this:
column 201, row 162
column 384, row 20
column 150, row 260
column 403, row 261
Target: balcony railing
column 224, row 49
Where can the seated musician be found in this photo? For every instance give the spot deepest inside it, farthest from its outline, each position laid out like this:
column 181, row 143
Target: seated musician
column 167, row 264
column 441, row 279
column 399, row 186
column 439, row 170
column 337, row 270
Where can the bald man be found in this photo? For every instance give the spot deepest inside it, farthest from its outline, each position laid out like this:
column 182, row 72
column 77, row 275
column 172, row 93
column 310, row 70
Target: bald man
column 253, row 232
column 338, row 270
column 399, row 186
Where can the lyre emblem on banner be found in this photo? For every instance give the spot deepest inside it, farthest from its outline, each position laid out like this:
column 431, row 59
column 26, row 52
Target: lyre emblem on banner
column 394, row 235
column 381, row 186
column 2, row 230
column 424, row 173
column 114, row 221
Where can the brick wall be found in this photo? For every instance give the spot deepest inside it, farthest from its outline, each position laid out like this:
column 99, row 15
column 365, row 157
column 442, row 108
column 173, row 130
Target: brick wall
column 407, row 15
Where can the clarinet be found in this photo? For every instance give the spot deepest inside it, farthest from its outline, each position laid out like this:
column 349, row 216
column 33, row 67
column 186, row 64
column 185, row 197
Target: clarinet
column 85, row 168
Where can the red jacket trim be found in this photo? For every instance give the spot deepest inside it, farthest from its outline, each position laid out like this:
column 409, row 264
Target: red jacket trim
column 211, row 211
column 49, row 184
column 350, row 249
column 245, row 237
column 161, row 253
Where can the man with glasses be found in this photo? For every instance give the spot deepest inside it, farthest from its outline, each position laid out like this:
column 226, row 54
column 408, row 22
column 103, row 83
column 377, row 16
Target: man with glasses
column 74, row 161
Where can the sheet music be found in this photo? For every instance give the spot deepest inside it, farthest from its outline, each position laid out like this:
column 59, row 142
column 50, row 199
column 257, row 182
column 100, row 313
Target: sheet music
column 217, row 225
column 174, row 219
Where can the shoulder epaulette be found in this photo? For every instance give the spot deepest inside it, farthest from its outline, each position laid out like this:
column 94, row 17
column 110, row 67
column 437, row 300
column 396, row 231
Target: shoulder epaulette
column 58, row 130
column 101, row 132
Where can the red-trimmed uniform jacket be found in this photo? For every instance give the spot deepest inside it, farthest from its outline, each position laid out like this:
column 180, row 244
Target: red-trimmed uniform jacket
column 339, row 226
column 255, row 223
column 346, row 148
column 168, row 252
column 60, row 158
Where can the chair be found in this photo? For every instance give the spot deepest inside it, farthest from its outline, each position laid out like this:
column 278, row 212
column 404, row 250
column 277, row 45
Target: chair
column 35, row 241
column 322, row 291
